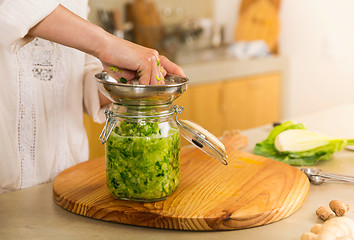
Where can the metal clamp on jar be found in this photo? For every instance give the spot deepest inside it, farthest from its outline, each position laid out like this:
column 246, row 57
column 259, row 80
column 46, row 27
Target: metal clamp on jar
column 143, row 139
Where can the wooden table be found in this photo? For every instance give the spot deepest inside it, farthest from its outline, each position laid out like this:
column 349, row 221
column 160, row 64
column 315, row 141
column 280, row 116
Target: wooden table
column 32, row 214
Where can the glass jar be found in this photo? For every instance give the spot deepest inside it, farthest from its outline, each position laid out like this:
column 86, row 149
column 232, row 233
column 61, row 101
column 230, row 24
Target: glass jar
column 142, row 152
column 143, row 140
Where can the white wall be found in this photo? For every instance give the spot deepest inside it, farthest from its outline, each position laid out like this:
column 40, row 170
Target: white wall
column 318, row 38
column 226, row 13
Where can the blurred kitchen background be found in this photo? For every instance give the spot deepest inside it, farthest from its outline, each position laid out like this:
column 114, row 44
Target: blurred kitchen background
column 250, row 62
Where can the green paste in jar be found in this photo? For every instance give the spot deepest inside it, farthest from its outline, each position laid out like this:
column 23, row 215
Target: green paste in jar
column 143, row 160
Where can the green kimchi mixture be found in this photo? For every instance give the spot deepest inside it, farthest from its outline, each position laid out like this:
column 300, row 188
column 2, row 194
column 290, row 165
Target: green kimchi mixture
column 143, row 160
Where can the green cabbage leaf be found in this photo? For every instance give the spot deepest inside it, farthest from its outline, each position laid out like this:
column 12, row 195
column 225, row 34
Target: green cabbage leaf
column 311, row 157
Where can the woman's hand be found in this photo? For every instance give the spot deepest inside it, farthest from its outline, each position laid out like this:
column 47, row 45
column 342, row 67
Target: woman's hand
column 124, row 60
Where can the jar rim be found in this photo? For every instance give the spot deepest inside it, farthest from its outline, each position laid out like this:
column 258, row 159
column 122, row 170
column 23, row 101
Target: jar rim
column 142, row 111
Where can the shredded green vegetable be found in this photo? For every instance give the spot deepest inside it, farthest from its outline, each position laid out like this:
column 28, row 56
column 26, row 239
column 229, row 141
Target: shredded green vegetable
column 115, row 69
column 143, row 163
column 157, row 78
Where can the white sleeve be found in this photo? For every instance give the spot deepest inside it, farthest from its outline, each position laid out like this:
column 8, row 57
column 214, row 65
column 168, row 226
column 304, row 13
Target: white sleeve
column 17, row 17
column 91, row 100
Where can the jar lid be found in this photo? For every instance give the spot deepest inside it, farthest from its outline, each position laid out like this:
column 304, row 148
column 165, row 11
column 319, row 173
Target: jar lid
column 204, row 140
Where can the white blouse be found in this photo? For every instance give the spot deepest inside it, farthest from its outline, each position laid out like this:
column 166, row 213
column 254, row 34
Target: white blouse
column 44, row 90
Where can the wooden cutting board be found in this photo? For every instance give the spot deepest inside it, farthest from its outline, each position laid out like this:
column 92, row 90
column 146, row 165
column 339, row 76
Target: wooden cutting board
column 147, row 24
column 259, row 20
column 250, row 191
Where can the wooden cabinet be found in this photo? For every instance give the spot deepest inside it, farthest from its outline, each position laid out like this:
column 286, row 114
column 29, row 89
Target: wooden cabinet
column 93, row 131
column 237, row 103
column 251, row 102
column 201, row 105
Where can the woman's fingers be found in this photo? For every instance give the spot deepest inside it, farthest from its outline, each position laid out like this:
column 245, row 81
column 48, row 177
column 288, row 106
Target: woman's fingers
column 121, row 75
column 144, row 72
column 154, row 78
column 133, row 59
column 161, row 71
column 149, row 70
column 157, row 77
column 171, row 67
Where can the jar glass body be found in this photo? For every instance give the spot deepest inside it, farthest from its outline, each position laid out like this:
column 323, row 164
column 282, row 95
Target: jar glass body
column 143, row 153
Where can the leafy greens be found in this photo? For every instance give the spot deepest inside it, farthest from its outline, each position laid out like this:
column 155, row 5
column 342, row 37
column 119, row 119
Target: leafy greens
column 310, row 157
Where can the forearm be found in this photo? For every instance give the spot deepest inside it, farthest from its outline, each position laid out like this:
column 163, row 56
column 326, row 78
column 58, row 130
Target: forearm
column 64, row 27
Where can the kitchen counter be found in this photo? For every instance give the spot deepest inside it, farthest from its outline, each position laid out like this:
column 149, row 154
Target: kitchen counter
column 210, row 65
column 32, row 214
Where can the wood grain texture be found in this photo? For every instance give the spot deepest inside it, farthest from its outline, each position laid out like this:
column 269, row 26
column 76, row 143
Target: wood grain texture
column 259, row 20
column 236, row 103
column 250, row 191
column 252, row 102
column 202, row 104
column 147, row 24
